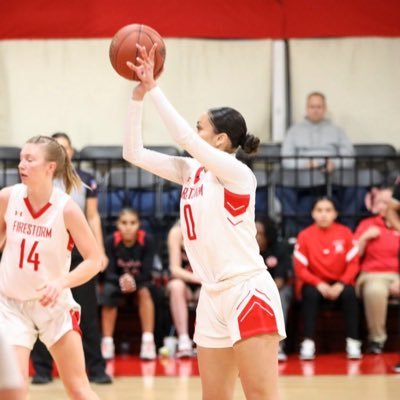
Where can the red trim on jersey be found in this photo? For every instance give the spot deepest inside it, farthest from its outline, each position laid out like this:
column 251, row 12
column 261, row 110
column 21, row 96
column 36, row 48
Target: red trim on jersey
column 256, row 318
column 236, row 204
column 117, row 237
column 75, row 317
column 71, row 243
column 141, row 237
column 34, row 214
column 197, row 175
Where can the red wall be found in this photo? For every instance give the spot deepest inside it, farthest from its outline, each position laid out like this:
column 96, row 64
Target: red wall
column 200, row 18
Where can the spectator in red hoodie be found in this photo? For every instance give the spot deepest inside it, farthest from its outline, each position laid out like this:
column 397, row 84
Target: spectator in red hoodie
column 378, row 244
column 326, row 264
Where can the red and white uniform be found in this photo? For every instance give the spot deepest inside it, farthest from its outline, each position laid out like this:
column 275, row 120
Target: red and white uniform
column 37, row 250
column 326, row 255
column 217, row 217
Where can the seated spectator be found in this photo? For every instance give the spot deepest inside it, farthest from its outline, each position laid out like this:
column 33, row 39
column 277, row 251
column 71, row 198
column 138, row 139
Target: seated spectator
column 393, row 216
column 277, row 258
column 378, row 244
column 130, row 251
column 183, row 289
column 319, row 139
column 326, row 265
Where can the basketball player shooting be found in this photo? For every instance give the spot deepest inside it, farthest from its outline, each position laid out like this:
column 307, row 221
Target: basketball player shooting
column 239, row 319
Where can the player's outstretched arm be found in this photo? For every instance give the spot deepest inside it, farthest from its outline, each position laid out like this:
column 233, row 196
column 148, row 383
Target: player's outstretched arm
column 222, row 164
column 133, row 151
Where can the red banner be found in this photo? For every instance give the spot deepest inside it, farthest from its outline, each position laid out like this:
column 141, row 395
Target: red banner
column 21, row 19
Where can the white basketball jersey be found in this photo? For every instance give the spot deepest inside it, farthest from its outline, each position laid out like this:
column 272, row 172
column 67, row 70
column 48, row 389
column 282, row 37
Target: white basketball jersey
column 38, row 246
column 218, row 226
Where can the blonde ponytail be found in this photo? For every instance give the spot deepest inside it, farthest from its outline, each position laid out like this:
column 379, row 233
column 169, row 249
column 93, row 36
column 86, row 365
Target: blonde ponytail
column 64, row 168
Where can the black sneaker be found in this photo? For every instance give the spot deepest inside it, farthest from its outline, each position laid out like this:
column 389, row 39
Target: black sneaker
column 396, row 368
column 41, row 379
column 375, row 348
column 100, row 379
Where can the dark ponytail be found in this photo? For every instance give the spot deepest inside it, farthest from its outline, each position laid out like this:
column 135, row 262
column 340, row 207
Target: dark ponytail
column 230, row 121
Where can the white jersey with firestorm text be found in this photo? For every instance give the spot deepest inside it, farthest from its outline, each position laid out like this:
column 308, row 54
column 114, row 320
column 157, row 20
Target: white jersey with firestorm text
column 217, row 198
column 38, row 246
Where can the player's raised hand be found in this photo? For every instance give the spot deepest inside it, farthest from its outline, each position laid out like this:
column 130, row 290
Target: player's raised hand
column 145, row 69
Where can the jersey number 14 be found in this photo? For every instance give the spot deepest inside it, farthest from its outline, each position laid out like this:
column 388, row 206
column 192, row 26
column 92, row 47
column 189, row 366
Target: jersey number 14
column 33, row 257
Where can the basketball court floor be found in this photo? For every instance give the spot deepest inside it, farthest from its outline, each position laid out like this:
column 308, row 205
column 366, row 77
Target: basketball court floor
column 328, row 377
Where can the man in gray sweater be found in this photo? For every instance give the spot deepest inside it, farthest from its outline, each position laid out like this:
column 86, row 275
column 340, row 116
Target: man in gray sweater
column 318, row 138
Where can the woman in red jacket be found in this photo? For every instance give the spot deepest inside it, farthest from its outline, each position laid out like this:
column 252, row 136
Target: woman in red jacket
column 326, row 264
column 379, row 247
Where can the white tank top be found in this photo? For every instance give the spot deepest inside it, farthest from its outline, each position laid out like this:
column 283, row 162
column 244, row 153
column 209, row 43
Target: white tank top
column 38, row 246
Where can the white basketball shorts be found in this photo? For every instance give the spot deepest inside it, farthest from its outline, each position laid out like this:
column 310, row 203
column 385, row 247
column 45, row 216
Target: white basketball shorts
column 25, row 321
column 249, row 308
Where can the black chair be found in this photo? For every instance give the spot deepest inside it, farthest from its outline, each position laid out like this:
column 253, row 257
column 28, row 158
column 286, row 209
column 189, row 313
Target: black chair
column 374, row 150
column 9, row 177
column 169, row 150
column 130, row 187
column 100, row 159
column 9, row 156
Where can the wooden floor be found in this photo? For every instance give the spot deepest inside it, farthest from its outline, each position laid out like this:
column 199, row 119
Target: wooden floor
column 365, row 387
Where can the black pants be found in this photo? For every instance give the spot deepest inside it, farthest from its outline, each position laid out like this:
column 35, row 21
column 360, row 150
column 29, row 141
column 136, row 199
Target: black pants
column 85, row 295
column 312, row 299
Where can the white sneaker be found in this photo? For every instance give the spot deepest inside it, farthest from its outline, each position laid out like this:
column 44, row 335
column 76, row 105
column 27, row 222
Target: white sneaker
column 107, row 348
column 307, row 349
column 148, row 351
column 185, row 349
column 353, row 349
column 281, row 355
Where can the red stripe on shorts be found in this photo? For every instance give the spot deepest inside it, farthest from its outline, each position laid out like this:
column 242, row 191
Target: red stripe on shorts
column 256, row 318
column 75, row 317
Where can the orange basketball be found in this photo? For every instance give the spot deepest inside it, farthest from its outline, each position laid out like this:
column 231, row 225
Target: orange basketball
column 123, row 48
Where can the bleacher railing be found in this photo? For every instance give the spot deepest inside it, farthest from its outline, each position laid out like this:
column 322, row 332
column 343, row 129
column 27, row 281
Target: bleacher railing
column 286, row 188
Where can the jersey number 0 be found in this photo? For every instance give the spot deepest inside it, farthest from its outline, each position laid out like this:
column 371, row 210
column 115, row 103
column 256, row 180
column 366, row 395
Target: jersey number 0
column 189, row 222
column 33, row 258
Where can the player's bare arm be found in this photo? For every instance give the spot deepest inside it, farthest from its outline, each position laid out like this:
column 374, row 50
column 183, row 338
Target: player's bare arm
column 86, row 244
column 94, row 220
column 4, row 196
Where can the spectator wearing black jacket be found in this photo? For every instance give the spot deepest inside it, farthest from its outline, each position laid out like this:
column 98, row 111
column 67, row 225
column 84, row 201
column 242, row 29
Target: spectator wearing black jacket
column 130, row 251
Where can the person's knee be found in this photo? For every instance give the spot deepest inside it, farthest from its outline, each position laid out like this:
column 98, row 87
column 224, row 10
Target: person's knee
column 177, row 287
column 374, row 291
